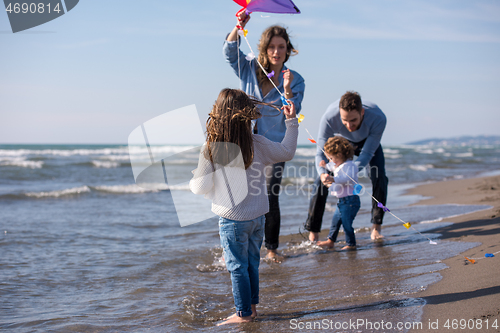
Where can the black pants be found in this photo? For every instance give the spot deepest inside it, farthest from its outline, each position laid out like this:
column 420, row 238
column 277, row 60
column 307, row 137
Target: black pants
column 273, row 218
column 379, row 183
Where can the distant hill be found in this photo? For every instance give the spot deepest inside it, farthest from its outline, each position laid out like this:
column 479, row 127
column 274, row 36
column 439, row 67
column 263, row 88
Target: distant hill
column 480, row 140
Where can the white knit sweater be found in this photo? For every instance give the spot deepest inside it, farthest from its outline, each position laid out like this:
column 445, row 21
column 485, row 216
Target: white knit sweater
column 231, row 202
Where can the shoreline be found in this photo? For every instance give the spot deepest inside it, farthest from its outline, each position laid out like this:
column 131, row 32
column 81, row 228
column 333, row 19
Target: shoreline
column 467, row 292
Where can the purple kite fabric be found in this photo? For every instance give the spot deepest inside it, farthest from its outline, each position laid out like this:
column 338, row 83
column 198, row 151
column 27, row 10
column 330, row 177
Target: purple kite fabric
column 270, row 6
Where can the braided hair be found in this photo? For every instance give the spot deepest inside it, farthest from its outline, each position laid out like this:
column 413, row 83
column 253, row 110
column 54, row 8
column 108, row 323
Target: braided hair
column 231, row 121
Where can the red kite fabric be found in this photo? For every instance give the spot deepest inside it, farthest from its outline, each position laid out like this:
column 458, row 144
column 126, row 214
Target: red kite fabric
column 269, row 6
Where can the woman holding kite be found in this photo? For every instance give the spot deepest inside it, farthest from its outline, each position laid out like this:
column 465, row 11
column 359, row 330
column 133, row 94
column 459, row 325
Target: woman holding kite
column 274, row 50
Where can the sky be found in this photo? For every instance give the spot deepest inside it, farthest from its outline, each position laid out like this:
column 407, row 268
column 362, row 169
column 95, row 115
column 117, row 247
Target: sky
column 98, row 72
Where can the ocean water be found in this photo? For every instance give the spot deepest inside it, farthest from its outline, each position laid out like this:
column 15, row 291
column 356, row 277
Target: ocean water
column 84, row 249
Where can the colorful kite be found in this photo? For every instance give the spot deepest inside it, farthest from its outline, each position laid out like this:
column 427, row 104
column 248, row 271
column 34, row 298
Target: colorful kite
column 268, row 6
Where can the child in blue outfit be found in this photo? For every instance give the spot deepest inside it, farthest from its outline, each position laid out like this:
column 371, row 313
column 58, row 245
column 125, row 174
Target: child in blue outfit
column 345, row 176
column 239, row 195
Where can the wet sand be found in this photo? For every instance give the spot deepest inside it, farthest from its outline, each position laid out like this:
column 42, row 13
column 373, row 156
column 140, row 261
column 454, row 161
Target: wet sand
column 467, row 291
column 402, row 280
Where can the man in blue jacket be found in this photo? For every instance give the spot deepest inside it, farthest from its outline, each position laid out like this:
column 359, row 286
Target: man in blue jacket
column 362, row 123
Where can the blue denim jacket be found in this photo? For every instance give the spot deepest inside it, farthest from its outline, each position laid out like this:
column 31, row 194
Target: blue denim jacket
column 271, row 124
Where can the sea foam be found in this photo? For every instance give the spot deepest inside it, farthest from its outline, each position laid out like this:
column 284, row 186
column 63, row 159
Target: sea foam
column 21, row 162
column 60, row 193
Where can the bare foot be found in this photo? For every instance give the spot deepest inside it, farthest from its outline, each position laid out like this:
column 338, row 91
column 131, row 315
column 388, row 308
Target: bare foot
column 313, row 236
column 376, row 228
column 254, row 313
column 349, row 248
column 234, row 319
column 328, row 243
column 273, row 255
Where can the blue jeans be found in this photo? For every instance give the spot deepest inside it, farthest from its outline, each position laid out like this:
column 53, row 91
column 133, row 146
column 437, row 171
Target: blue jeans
column 241, row 241
column 346, row 211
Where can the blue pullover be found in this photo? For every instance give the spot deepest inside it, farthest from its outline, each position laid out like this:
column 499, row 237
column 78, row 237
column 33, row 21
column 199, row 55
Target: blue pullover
column 371, row 129
column 272, row 123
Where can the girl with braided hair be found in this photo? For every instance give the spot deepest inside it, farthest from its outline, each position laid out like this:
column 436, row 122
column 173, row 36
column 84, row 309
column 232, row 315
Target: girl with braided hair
column 241, row 221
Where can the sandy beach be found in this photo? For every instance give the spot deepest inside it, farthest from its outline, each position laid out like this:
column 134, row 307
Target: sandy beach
column 467, row 292
column 380, row 283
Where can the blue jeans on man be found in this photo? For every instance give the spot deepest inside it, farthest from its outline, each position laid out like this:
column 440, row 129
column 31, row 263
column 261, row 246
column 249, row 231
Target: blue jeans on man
column 241, row 242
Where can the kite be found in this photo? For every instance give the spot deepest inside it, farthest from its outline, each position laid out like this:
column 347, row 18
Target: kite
column 267, row 6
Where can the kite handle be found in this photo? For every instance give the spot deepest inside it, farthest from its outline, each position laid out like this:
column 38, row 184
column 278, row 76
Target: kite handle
column 238, row 13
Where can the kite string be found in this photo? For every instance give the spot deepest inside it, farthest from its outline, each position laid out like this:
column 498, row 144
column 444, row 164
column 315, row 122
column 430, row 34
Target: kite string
column 483, row 257
column 406, row 224
column 281, row 94
column 241, row 32
column 239, row 70
column 260, row 65
column 378, row 202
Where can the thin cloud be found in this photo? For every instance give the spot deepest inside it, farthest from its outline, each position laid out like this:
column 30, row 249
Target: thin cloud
column 426, row 33
column 406, row 21
column 84, row 44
